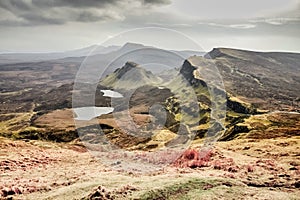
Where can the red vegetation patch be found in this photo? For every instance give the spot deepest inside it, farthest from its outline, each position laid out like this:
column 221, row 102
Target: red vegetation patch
column 27, row 162
column 25, row 188
column 249, row 168
column 193, row 158
column 267, row 164
column 226, row 164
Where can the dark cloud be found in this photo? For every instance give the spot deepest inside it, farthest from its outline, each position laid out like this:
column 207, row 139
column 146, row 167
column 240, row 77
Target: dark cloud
column 44, row 12
column 40, row 20
column 91, row 17
column 13, row 5
column 74, row 3
column 157, row 2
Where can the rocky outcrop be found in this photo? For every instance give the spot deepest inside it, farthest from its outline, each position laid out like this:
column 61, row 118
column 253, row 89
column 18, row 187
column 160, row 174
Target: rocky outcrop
column 130, row 76
column 126, row 68
column 216, row 52
column 187, row 71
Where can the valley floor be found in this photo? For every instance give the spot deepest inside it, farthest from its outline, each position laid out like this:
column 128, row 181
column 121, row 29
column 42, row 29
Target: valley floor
column 238, row 169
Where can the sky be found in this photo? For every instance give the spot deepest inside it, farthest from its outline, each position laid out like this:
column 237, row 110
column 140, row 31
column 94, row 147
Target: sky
column 59, row 25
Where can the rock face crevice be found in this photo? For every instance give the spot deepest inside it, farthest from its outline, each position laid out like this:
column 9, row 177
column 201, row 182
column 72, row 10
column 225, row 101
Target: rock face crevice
column 239, row 107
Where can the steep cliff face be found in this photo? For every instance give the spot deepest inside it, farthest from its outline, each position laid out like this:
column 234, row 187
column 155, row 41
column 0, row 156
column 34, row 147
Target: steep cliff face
column 216, row 52
column 188, row 72
column 193, row 74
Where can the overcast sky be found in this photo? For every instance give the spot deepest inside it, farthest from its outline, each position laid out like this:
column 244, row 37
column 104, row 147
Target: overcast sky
column 57, row 25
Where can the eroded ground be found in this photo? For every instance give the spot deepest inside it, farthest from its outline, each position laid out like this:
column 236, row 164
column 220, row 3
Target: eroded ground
column 238, row 169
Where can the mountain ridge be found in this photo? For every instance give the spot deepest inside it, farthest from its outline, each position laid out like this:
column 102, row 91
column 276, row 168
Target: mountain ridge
column 131, row 75
column 272, row 77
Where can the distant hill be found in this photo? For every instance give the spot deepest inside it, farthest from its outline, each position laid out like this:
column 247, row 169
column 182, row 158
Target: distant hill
column 10, row 58
column 98, row 54
column 155, row 59
column 131, row 75
column 270, row 80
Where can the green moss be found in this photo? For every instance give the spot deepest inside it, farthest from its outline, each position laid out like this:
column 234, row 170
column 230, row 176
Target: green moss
column 194, row 187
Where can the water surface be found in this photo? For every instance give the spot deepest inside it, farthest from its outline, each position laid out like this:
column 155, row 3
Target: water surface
column 112, row 94
column 88, row 113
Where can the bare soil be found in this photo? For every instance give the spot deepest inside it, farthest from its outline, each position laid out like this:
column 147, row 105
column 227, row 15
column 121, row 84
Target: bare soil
column 238, row 169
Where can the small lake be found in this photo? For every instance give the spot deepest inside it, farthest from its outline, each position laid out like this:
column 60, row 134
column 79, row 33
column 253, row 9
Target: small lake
column 88, row 113
column 112, row 94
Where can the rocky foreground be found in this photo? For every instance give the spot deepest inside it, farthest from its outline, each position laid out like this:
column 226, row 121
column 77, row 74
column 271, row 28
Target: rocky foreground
column 238, row 169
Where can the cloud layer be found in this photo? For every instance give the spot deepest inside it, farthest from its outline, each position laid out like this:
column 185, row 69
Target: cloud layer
column 45, row 12
column 28, row 25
